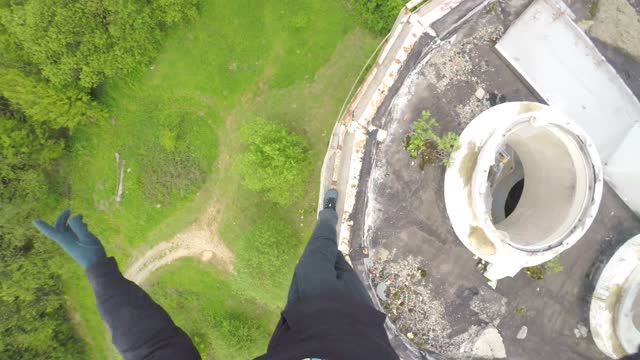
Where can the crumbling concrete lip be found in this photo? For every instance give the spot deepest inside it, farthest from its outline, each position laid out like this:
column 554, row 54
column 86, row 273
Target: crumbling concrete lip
column 614, row 313
column 561, row 194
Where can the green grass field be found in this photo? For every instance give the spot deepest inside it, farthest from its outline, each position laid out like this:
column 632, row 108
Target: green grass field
column 176, row 127
column 222, row 323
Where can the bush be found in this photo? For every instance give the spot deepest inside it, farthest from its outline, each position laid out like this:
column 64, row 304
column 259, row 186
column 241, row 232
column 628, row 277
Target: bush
column 424, row 143
column 265, row 260
column 171, row 12
column 378, row 15
column 275, row 163
column 554, row 266
column 538, row 272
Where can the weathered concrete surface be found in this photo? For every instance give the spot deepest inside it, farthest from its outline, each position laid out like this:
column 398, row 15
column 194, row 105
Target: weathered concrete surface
column 627, row 67
column 618, row 24
column 402, row 238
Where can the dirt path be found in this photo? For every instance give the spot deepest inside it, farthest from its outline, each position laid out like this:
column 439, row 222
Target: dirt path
column 199, row 240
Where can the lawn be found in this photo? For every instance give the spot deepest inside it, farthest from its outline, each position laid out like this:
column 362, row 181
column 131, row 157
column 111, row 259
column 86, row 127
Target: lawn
column 176, row 125
column 222, row 323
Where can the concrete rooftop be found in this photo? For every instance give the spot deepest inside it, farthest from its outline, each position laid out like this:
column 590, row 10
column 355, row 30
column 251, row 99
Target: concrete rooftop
column 402, row 244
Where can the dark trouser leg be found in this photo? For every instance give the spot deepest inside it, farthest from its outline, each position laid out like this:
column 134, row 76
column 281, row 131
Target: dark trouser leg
column 350, row 280
column 315, row 272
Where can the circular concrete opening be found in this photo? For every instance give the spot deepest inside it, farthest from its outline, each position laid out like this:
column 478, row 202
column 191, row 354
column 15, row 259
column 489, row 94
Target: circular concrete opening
column 507, row 179
column 559, row 178
column 524, row 186
column 513, row 198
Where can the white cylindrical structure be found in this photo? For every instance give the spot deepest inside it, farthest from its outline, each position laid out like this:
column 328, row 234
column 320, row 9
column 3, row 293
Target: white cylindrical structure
column 524, row 186
column 615, row 305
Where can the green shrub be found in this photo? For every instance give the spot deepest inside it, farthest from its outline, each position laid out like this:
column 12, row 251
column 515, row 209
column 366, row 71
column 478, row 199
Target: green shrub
column 538, row 272
column 171, row 12
column 554, row 266
column 423, row 142
column 265, row 260
column 275, row 163
column 378, row 15
column 521, row 310
column 535, row 272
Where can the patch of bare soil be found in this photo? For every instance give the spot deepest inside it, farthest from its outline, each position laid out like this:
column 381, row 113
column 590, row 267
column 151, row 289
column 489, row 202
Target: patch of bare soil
column 200, row 240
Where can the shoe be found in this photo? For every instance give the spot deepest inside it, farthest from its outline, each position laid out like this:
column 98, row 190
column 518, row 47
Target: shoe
column 330, row 199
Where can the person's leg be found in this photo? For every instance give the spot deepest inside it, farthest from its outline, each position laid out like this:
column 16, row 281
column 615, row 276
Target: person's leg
column 323, row 244
column 350, row 280
column 315, row 272
column 293, row 295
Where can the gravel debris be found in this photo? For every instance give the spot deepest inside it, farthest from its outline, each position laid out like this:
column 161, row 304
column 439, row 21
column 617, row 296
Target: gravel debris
column 469, row 110
column 581, row 331
column 412, row 307
column 453, row 62
column 449, row 62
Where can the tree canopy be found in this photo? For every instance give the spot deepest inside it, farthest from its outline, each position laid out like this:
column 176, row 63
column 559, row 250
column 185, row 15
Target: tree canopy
column 81, row 43
column 377, row 15
column 54, row 54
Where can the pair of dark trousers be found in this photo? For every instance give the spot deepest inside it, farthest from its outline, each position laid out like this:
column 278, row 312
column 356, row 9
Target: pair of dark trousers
column 322, row 268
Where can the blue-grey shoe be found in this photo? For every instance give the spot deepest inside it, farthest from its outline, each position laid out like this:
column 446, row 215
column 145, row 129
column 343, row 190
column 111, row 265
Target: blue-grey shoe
column 330, row 199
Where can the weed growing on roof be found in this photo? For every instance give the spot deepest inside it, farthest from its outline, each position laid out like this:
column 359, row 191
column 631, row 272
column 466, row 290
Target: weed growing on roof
column 538, row 272
column 553, row 266
column 593, row 10
column 521, row 310
column 535, row 272
column 425, row 144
